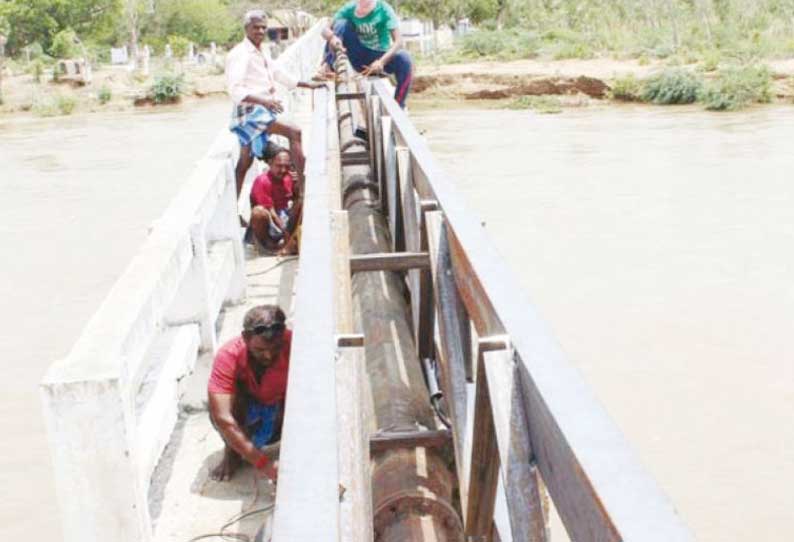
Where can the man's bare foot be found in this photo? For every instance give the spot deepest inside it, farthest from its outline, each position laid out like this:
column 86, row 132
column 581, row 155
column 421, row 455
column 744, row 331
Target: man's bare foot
column 227, row 467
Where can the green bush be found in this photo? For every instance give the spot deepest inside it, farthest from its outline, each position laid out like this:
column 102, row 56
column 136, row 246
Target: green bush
column 738, row 87
column 626, row 88
column 104, row 95
column 673, row 86
column 64, row 44
column 179, row 46
column 167, row 89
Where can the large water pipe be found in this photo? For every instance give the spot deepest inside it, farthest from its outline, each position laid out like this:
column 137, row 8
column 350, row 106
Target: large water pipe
column 411, row 485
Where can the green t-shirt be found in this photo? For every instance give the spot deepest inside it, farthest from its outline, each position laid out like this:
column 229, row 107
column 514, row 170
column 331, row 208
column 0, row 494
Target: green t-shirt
column 374, row 30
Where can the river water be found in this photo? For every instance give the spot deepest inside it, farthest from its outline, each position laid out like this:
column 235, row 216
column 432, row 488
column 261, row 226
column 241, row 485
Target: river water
column 656, row 242
column 77, row 195
column 659, row 245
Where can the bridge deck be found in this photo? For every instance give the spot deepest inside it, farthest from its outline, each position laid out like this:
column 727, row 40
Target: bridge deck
column 184, row 501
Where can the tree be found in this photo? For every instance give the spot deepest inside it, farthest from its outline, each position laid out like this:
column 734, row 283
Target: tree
column 39, row 21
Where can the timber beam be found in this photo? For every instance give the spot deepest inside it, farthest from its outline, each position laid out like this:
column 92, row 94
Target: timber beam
column 382, row 441
column 389, row 261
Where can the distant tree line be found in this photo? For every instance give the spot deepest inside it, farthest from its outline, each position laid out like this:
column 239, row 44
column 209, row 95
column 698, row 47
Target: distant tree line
column 763, row 26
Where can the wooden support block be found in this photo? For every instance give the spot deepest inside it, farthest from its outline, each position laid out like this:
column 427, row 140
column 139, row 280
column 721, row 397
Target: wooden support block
column 428, row 205
column 389, row 261
column 520, row 477
column 360, row 158
column 484, row 465
column 350, row 96
column 373, row 136
column 380, row 442
column 493, row 343
column 350, row 340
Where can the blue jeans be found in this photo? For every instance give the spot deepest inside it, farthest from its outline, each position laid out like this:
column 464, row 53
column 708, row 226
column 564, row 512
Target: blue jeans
column 361, row 56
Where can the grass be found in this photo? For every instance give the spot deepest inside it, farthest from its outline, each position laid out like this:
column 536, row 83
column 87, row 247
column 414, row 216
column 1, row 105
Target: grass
column 737, row 87
column 541, row 104
column 49, row 105
column 500, row 44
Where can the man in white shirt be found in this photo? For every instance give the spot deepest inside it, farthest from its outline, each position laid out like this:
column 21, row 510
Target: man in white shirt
column 251, row 76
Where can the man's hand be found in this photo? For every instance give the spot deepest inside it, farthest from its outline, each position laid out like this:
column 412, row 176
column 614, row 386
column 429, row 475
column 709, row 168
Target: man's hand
column 335, row 43
column 270, row 471
column 372, row 69
column 274, row 104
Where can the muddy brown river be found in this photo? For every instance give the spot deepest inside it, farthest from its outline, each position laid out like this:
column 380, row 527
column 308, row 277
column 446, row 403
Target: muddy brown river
column 657, row 242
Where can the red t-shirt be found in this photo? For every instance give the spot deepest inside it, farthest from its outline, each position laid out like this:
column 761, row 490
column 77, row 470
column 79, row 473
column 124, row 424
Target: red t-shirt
column 271, row 194
column 231, row 367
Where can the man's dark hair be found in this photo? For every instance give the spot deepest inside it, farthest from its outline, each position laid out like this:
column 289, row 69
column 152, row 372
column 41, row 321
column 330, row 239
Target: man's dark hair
column 272, row 150
column 263, row 315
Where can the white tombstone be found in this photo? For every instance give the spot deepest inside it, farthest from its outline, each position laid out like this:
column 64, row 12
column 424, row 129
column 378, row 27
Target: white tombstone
column 143, row 60
column 119, row 55
column 169, row 53
column 213, row 53
column 191, row 52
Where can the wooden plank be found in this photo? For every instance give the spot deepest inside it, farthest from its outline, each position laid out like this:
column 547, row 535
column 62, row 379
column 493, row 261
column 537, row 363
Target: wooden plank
column 394, row 216
column 520, row 478
column 451, row 351
column 389, row 261
column 410, row 215
column 309, row 481
column 355, row 493
column 599, row 487
column 376, row 145
column 484, row 464
column 380, row 442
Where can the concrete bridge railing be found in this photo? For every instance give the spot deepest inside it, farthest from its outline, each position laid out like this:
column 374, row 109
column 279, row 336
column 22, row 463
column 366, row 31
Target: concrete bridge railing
column 112, row 403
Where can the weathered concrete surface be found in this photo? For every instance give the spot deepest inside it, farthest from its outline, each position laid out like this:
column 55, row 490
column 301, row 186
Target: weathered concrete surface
column 184, row 501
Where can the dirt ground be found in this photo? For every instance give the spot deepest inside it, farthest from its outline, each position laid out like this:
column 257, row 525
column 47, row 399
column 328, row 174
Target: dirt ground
column 23, row 94
column 575, row 81
column 586, row 78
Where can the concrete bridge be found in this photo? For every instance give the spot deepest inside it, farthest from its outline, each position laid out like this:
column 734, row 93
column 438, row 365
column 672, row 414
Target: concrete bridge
column 526, row 438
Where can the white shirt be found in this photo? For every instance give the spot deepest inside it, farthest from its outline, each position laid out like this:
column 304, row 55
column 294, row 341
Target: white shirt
column 251, row 71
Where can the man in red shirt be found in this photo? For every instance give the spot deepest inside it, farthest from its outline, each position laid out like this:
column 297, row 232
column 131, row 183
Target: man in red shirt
column 247, row 389
column 273, row 219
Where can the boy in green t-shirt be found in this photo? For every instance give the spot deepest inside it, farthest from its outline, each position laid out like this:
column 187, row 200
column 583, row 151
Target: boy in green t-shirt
column 369, row 32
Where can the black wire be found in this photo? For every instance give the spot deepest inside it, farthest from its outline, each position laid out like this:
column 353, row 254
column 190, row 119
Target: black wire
column 235, row 519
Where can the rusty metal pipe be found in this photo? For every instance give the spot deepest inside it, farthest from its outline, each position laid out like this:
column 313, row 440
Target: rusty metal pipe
column 411, row 487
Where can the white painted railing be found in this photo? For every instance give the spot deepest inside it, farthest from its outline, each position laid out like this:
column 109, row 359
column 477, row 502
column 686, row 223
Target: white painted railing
column 112, row 403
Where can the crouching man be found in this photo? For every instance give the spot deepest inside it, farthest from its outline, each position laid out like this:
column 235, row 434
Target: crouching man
column 247, row 389
column 276, row 206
